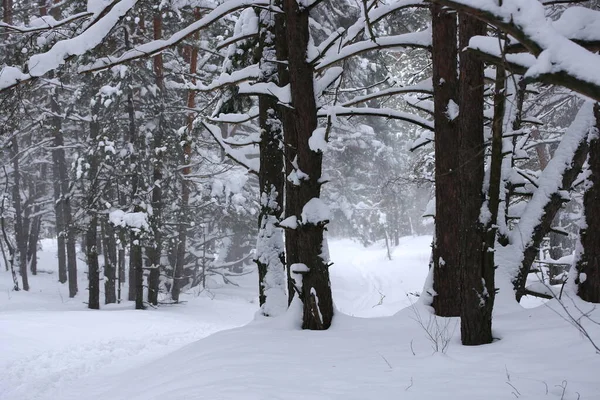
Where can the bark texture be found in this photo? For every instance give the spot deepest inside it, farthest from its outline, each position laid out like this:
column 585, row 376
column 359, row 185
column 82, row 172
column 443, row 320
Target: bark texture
column 270, row 256
column 477, row 283
column 310, row 250
column 445, row 260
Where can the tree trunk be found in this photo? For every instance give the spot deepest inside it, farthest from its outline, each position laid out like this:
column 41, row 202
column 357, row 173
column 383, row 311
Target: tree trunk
column 311, row 270
column 291, row 144
column 135, row 250
column 39, row 192
column 446, row 272
column 270, row 256
column 92, row 228
column 92, row 261
column 63, row 201
column 477, row 284
column 20, row 234
column 187, row 170
column 110, row 263
column 588, row 261
column 34, row 234
column 154, row 251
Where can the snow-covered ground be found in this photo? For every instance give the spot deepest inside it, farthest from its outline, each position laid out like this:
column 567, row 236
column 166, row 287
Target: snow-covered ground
column 51, row 347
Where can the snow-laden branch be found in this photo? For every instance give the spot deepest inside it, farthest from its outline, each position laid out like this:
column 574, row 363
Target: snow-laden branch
column 375, row 14
column 282, row 94
column 578, row 24
column 339, row 111
column 41, row 64
column 559, row 60
column 237, row 155
column 421, row 87
column 420, row 39
column 553, row 190
column 44, row 23
column 156, row 46
column 235, row 118
column 251, row 72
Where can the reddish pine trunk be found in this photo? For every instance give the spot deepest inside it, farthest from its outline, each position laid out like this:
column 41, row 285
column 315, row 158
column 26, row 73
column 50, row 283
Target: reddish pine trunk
column 299, row 124
column 477, row 283
column 446, row 272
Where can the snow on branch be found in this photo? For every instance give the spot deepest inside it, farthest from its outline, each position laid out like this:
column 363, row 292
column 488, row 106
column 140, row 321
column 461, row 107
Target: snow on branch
column 559, row 60
column 553, row 186
column 249, row 73
column 282, row 94
column 374, row 15
column 237, row 155
column 156, row 46
column 44, row 23
column 424, row 87
column 235, row 118
column 340, row 111
column 323, row 83
column 40, row 64
column 420, row 39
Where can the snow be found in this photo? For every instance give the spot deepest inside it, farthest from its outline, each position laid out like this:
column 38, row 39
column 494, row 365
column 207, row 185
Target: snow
column 137, row 220
column 289, row 223
column 549, row 41
column 54, row 348
column 549, row 183
column 157, row 46
column 315, row 211
column 420, row 39
column 452, row 110
column 317, row 141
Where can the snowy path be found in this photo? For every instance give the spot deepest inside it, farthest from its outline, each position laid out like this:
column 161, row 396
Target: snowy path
column 51, row 348
column 50, row 343
column 48, row 350
column 366, row 283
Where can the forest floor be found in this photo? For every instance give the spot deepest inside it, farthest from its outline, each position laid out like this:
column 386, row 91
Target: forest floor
column 52, row 348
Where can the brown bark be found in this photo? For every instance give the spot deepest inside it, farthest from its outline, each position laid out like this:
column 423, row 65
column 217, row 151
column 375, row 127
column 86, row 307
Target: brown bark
column 154, row 251
column 291, row 144
column 477, row 283
column 271, row 175
column 92, row 228
column 588, row 263
column 445, row 260
column 192, row 51
column 299, row 124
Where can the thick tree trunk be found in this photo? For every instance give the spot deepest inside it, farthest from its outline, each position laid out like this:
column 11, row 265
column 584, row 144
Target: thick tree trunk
column 309, row 266
column 290, row 146
column 588, row 260
column 477, row 284
column 446, row 272
column 270, row 256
